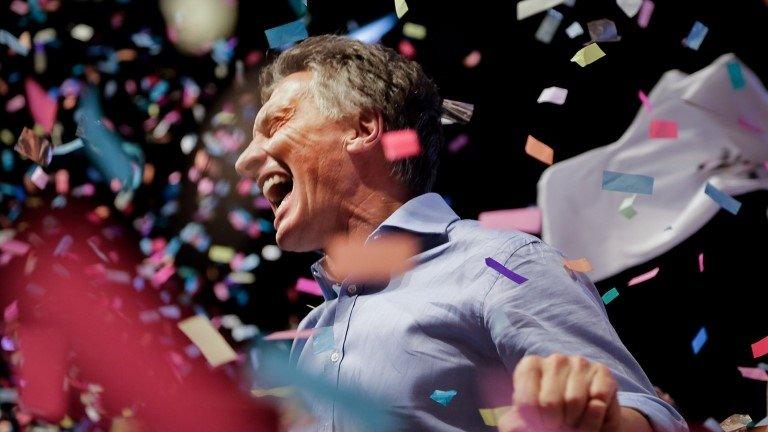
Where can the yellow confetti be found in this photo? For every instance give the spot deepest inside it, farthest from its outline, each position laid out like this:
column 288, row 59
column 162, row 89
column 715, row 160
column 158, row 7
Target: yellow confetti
column 401, row 7
column 221, row 254
column 588, row 54
column 414, row 31
column 214, row 347
column 491, row 416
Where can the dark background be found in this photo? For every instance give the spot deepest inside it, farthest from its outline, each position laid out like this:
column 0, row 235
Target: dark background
column 656, row 320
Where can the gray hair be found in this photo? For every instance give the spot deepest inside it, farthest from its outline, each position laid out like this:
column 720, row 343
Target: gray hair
column 348, row 74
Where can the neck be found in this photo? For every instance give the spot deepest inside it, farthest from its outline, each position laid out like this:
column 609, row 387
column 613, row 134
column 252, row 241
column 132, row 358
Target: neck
column 365, row 213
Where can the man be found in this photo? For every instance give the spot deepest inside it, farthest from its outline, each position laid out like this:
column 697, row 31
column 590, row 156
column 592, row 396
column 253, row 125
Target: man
column 451, row 322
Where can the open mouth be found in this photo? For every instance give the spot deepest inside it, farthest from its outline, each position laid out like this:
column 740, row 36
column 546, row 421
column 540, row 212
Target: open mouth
column 277, row 187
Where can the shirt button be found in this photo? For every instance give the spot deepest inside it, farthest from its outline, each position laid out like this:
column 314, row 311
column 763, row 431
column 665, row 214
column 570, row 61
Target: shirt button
column 352, row 289
column 335, row 356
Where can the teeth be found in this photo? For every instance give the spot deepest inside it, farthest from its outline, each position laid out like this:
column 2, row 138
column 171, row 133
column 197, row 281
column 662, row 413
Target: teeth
column 273, row 180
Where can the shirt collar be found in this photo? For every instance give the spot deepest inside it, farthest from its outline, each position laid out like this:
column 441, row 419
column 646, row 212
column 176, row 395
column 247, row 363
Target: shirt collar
column 425, row 214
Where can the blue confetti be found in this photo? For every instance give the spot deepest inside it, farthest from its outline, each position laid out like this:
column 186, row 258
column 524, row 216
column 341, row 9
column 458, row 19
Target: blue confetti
column 322, row 340
column 723, row 199
column 286, row 34
column 443, row 397
column 374, row 31
column 699, row 340
column 630, row 183
column 696, row 36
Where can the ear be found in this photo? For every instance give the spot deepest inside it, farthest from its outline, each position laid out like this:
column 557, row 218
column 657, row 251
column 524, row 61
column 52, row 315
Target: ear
column 366, row 135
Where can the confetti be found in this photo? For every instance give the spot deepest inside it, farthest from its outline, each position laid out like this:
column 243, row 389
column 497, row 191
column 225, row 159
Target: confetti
column 713, row 425
column 526, row 219
column 696, row 36
column 456, row 112
column 581, row 265
column 527, row 8
column 13, row 43
column 645, row 101
column 646, row 9
column 82, row 32
column 610, row 295
column 35, row 148
column 722, row 199
column 401, row 7
column 374, row 261
column 539, row 150
column 548, row 26
column 286, row 34
column 699, row 341
column 322, row 340
column 499, row 267
column 630, row 7
column 757, row 373
column 414, row 31
column 309, row 286
column 663, row 128
column 400, row 144
column 290, row 334
column 42, row 107
column 39, row 178
column 630, row 183
column 588, row 55
column 643, row 277
column 760, row 348
column 603, row 30
column 443, row 397
column 734, row 72
column 201, row 332
column 701, row 262
column 491, row 416
column 555, row 95
column 574, row 30
column 627, row 208
column 221, row 254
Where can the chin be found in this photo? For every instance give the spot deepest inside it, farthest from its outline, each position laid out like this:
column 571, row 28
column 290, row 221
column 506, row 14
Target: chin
column 294, row 242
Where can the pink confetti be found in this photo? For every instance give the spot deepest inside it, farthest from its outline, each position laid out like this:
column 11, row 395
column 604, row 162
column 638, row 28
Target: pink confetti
column 746, row 124
column 290, row 334
column 42, row 107
column 162, row 275
column 221, row 291
column 663, row 128
column 643, row 277
column 472, row 59
column 701, row 262
column 62, row 181
column 15, row 247
column 309, row 286
column 15, row 103
column 754, row 373
column 526, row 219
column 760, row 348
column 458, row 143
column 644, row 99
column 11, row 311
column 39, row 178
column 407, row 49
column 645, row 13
column 400, row 144
column 19, row 7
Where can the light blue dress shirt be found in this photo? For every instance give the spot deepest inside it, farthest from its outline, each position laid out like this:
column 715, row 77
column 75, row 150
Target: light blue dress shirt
column 453, row 323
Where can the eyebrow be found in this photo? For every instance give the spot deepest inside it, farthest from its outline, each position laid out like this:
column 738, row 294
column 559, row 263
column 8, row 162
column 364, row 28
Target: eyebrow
column 270, row 118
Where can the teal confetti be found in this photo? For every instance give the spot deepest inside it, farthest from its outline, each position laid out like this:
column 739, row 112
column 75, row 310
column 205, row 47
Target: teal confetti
column 610, row 295
column 737, row 78
column 443, row 397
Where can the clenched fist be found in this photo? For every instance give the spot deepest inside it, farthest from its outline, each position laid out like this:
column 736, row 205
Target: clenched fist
column 562, row 393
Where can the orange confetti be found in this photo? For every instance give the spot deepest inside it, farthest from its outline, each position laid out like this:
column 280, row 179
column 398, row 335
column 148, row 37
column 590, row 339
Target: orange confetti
column 580, row 265
column 539, row 150
column 376, row 261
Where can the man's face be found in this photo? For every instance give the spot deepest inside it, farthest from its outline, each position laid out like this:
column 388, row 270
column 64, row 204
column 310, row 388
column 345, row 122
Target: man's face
column 299, row 160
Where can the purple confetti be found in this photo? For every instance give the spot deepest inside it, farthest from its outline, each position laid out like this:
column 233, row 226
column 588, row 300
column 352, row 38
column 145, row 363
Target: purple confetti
column 499, row 267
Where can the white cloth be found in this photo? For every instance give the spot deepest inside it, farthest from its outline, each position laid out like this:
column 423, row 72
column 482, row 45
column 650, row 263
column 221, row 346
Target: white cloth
column 583, row 221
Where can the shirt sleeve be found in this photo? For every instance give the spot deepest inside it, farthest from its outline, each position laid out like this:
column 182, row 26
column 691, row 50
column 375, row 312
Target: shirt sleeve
column 559, row 311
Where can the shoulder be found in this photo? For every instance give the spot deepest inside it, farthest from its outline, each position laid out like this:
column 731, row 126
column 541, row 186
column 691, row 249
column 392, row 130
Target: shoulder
column 469, row 236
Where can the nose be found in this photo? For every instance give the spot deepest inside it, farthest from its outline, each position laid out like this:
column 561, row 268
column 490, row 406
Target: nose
column 250, row 160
